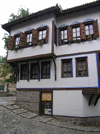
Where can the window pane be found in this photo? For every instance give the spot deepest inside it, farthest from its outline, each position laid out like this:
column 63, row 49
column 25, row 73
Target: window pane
column 91, row 26
column 78, row 33
column 86, row 27
column 40, row 37
column 74, row 30
column 74, row 34
column 78, row 29
column 65, row 31
column 87, row 32
column 91, row 31
column 44, row 36
column 44, row 32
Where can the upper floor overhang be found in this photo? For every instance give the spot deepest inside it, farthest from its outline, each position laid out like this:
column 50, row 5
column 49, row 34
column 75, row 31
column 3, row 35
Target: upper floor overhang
column 55, row 10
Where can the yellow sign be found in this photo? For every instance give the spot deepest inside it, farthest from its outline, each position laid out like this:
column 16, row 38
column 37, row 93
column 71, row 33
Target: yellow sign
column 46, row 96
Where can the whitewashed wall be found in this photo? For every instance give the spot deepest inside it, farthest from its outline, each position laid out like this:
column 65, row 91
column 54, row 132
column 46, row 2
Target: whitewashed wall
column 82, row 46
column 74, row 82
column 34, row 50
column 73, row 103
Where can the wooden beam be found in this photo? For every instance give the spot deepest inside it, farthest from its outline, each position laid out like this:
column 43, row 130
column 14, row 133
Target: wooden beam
column 96, row 100
column 90, row 100
column 55, row 68
column 52, row 48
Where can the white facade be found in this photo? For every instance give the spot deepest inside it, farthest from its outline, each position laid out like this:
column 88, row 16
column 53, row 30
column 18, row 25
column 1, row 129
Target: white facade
column 67, row 99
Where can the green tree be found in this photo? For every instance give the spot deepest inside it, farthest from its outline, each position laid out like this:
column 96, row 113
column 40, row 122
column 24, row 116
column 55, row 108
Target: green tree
column 7, row 71
column 21, row 13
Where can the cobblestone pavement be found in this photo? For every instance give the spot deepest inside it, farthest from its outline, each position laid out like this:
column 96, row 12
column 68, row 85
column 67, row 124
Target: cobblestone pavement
column 14, row 120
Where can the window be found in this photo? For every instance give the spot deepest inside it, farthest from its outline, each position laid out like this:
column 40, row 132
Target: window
column 34, row 71
column 81, row 67
column 64, row 36
column 67, row 68
column 76, row 33
column 43, row 35
column 45, row 70
column 29, row 38
column 17, row 40
column 24, row 70
column 89, row 31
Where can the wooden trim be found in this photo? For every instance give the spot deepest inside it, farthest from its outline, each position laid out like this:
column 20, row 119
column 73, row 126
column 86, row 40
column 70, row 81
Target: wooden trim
column 42, row 56
column 96, row 100
column 90, row 100
column 53, row 31
column 55, row 67
column 57, row 56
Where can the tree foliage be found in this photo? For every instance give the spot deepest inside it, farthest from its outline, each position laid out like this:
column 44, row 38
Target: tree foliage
column 21, row 13
column 6, row 40
column 7, row 72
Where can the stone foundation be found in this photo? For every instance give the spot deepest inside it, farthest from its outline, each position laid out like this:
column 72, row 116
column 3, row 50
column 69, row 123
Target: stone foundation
column 28, row 100
column 88, row 121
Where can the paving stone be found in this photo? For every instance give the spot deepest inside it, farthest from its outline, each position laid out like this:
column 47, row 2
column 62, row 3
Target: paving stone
column 43, row 119
column 28, row 115
column 19, row 111
column 11, row 107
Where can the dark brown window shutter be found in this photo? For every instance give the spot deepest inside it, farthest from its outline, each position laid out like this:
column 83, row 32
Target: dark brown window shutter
column 11, row 43
column 34, row 37
column 69, row 34
column 95, row 29
column 22, row 40
column 47, row 34
column 82, row 32
column 59, row 37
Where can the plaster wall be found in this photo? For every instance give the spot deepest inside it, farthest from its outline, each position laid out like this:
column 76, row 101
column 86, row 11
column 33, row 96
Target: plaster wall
column 73, row 82
column 34, row 50
column 73, row 103
column 82, row 46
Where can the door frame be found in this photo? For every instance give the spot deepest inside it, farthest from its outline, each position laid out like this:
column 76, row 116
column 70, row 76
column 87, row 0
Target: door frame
column 40, row 104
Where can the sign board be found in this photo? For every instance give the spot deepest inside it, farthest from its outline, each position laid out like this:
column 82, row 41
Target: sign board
column 46, row 96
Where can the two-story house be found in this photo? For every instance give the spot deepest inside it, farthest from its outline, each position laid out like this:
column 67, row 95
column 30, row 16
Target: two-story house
column 56, row 55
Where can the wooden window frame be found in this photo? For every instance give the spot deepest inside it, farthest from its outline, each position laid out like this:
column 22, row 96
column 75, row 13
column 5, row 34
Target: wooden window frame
column 66, row 61
column 43, row 40
column 88, row 24
column 21, row 73
column 28, row 43
column 75, row 27
column 34, row 74
column 42, row 64
column 16, row 36
column 82, row 71
column 62, row 41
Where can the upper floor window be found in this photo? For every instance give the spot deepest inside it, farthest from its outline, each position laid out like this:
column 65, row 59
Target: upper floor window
column 45, row 70
column 89, row 31
column 34, row 71
column 24, row 72
column 43, row 35
column 81, row 67
column 17, row 40
column 67, row 68
column 64, row 36
column 29, row 38
column 76, row 33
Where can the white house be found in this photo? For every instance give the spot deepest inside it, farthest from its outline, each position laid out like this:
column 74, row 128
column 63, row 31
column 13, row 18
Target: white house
column 56, row 55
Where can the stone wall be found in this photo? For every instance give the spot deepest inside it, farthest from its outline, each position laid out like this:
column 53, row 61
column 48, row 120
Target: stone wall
column 28, row 100
column 88, row 121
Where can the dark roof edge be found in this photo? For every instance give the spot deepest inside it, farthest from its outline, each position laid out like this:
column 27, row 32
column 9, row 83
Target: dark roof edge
column 82, row 7
column 55, row 9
